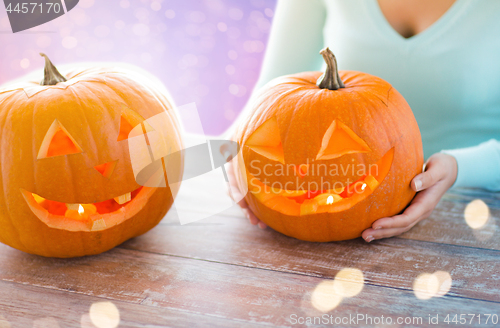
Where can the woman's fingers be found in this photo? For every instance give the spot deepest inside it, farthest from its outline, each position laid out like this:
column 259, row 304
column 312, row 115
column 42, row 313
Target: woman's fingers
column 250, row 216
column 420, row 208
column 400, row 224
column 262, row 225
column 430, row 177
column 235, row 193
column 438, row 167
column 440, row 174
column 369, row 236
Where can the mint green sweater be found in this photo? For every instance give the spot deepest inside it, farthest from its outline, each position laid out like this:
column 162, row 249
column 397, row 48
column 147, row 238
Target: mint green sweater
column 449, row 73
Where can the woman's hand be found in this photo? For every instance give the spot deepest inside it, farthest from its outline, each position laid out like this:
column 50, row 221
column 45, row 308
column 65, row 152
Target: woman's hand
column 440, row 174
column 235, row 193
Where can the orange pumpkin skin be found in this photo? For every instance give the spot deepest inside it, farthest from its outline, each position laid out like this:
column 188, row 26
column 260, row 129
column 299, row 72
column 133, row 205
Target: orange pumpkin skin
column 90, row 107
column 372, row 109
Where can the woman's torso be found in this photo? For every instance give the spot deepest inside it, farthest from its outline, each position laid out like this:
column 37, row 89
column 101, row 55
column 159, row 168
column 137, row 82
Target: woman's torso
column 449, row 73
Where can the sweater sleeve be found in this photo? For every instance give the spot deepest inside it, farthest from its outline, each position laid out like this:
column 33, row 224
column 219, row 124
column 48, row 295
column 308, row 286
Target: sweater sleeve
column 294, row 43
column 478, row 166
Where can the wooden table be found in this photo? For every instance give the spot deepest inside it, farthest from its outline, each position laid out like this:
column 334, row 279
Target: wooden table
column 223, row 272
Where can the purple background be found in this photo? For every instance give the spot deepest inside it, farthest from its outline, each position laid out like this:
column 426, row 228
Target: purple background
column 205, row 51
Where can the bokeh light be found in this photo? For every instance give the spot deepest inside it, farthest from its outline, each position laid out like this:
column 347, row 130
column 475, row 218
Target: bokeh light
column 227, row 38
column 25, row 63
column 86, row 3
column 428, row 285
column 170, row 14
column 69, row 42
column 425, row 286
column 444, row 279
column 43, row 41
column 476, row 214
column 325, row 297
column 235, row 14
column 156, row 6
column 104, row 315
column 4, row 323
column 124, row 4
column 349, row 282
column 328, row 294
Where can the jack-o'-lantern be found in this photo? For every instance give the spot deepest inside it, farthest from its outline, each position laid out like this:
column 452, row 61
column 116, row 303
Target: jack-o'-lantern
column 68, row 185
column 325, row 155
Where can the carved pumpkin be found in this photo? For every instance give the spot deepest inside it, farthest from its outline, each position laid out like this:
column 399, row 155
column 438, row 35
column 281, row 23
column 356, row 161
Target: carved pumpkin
column 68, row 186
column 324, row 156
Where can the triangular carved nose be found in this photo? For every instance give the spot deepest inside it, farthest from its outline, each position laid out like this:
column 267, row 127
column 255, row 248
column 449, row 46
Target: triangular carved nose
column 106, row 169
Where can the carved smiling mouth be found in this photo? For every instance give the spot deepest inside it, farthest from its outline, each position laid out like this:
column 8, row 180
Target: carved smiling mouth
column 88, row 217
column 304, row 202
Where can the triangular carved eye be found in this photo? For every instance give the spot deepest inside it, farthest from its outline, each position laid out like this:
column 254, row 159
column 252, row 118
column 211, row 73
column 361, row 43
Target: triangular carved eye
column 125, row 128
column 58, row 142
column 340, row 140
column 128, row 120
column 266, row 141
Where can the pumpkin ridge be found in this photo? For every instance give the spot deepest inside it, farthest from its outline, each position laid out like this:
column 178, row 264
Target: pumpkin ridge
column 262, row 113
column 5, row 190
column 87, row 125
column 294, row 113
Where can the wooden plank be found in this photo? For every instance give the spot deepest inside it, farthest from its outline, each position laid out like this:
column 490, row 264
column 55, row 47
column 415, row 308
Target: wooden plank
column 447, row 223
column 465, row 195
column 200, row 287
column 391, row 262
column 29, row 306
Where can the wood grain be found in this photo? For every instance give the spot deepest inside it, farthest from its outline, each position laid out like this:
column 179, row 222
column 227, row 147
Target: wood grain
column 201, row 287
column 391, row 262
column 31, row 306
column 447, row 225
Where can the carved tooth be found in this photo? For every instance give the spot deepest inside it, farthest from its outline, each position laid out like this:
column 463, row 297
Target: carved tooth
column 371, row 182
column 73, row 207
column 98, row 225
column 38, row 199
column 309, row 206
column 123, row 198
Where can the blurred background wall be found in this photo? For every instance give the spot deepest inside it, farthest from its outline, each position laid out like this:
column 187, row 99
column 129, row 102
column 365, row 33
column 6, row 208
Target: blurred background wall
column 205, row 51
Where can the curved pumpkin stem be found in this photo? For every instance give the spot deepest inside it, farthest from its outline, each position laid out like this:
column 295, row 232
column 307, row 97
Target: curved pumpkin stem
column 330, row 79
column 51, row 74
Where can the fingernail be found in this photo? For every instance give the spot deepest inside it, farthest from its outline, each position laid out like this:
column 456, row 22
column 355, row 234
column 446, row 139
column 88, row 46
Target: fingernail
column 369, row 239
column 262, row 225
column 378, row 227
column 418, row 185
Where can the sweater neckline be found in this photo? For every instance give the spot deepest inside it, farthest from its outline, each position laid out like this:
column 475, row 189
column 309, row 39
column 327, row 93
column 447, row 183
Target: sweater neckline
column 387, row 30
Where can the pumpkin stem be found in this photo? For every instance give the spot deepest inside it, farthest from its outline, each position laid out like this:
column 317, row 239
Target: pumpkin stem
column 51, row 74
column 330, row 79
